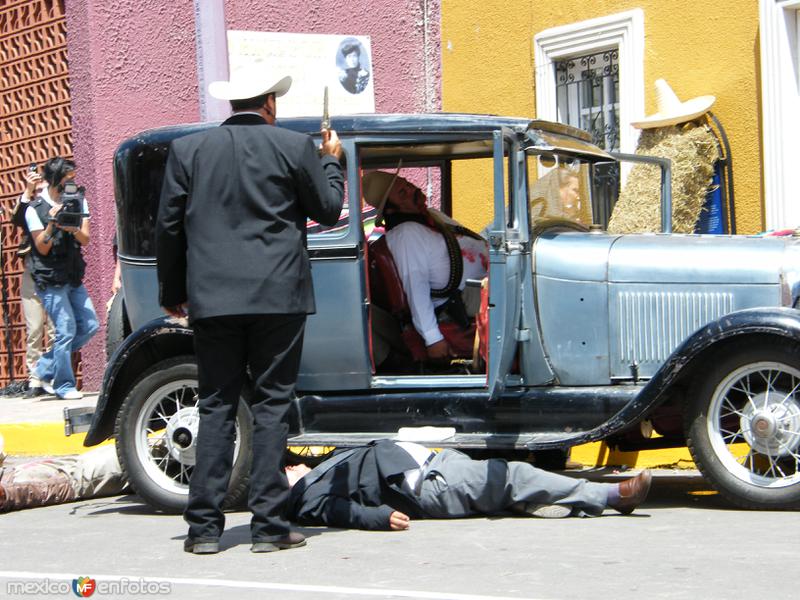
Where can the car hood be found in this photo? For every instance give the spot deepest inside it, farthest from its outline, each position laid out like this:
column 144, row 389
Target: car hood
column 667, row 258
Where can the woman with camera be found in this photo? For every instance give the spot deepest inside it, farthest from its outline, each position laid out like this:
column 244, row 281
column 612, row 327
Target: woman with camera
column 58, row 220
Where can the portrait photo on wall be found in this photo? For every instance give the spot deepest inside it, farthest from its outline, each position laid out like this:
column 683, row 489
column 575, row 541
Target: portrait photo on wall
column 353, row 63
column 315, row 61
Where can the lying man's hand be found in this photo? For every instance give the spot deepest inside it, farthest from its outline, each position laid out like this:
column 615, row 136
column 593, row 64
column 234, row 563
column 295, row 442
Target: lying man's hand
column 398, row 521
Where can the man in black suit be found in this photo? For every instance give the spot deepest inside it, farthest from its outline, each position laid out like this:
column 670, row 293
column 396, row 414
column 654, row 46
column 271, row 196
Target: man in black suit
column 385, row 484
column 231, row 249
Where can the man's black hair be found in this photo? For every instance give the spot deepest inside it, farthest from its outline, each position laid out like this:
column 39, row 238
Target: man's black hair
column 250, row 103
column 55, row 169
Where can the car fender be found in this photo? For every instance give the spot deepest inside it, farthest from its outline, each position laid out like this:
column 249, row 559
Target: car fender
column 155, row 341
column 774, row 321
column 779, row 322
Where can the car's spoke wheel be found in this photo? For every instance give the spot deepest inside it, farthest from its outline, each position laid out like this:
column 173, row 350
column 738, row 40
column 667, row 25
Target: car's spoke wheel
column 743, row 425
column 157, row 437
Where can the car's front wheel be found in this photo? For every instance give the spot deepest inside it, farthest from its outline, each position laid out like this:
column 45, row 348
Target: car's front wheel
column 743, row 424
column 156, row 433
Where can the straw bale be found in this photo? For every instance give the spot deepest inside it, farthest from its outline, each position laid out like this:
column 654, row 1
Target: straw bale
column 693, row 152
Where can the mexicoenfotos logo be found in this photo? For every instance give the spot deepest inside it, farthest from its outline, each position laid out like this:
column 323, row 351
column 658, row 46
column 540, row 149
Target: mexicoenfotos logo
column 84, row 586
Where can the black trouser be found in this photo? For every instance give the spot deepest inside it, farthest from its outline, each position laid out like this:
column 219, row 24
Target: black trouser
column 270, row 345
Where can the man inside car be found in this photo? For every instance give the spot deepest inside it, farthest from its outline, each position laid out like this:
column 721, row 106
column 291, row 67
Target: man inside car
column 434, row 256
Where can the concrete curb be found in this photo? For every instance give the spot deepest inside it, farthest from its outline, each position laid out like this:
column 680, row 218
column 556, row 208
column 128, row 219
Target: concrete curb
column 48, row 439
column 598, row 454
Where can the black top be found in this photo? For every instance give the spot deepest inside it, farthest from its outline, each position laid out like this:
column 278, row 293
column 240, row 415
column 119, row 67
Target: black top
column 357, row 488
column 231, row 230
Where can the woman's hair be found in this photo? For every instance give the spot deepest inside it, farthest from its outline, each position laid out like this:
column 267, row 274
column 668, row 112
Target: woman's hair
column 349, row 47
column 56, row 169
column 565, row 175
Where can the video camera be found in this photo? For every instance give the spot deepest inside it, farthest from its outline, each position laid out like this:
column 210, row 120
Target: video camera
column 71, row 213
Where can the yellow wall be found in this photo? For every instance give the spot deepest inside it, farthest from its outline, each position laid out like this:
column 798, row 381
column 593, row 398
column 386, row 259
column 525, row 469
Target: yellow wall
column 699, row 46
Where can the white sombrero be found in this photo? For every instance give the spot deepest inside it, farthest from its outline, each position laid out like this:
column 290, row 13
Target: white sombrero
column 249, row 83
column 671, row 110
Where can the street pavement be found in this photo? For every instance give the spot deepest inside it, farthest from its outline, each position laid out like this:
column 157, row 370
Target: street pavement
column 16, row 409
column 685, row 543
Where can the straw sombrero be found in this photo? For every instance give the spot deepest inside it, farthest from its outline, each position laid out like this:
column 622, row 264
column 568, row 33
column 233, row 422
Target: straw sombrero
column 376, row 186
column 671, row 110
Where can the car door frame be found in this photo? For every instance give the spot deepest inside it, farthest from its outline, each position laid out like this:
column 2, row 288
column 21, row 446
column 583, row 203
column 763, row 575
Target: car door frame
column 336, row 345
column 507, row 250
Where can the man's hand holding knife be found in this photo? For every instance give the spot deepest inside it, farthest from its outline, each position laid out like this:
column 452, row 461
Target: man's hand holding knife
column 330, row 141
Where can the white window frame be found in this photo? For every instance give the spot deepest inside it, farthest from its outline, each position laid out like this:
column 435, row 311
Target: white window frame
column 780, row 112
column 624, row 31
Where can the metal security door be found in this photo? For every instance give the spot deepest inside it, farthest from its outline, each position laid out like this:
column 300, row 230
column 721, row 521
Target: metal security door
column 35, row 125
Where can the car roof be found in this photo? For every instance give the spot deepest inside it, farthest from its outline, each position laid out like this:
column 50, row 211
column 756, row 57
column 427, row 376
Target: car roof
column 394, row 123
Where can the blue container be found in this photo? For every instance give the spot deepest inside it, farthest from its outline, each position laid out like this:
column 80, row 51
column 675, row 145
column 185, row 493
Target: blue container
column 711, row 217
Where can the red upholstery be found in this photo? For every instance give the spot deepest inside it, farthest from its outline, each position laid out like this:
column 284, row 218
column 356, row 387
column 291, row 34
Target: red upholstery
column 385, row 288
column 482, row 322
column 386, row 291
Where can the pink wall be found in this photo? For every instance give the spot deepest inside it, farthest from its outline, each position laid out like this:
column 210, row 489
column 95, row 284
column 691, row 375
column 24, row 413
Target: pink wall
column 133, row 67
column 396, row 34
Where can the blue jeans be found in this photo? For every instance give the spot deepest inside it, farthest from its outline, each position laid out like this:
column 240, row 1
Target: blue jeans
column 75, row 322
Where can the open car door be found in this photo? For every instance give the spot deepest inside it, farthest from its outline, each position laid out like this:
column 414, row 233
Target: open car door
column 506, row 247
column 335, row 351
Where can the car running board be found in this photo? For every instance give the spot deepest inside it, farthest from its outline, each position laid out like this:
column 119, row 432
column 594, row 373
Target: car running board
column 522, row 441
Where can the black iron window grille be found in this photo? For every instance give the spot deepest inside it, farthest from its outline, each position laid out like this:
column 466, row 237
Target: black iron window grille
column 587, row 97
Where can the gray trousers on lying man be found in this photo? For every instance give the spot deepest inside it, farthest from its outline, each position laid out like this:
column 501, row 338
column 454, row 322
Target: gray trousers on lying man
column 455, row 486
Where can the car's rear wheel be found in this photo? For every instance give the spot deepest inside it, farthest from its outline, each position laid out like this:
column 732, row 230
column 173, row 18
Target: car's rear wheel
column 156, row 433
column 743, row 424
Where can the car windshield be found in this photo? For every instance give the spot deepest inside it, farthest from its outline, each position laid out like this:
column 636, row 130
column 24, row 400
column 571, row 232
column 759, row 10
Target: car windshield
column 558, row 188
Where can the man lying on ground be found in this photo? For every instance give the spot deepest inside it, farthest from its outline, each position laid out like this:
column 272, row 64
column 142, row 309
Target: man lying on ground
column 386, row 484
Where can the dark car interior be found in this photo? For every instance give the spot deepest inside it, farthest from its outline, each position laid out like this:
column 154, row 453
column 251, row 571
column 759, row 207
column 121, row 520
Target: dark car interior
column 430, row 167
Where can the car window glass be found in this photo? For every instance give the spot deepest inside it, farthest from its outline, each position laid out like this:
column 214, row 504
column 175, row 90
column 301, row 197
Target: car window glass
column 341, row 226
column 456, row 177
column 138, row 176
column 473, row 192
column 558, row 188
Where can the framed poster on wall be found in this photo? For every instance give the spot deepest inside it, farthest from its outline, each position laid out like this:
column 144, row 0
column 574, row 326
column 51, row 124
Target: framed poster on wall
column 341, row 62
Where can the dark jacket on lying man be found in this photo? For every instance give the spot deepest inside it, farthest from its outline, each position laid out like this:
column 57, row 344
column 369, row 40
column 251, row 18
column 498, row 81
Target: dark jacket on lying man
column 362, row 487
column 356, row 488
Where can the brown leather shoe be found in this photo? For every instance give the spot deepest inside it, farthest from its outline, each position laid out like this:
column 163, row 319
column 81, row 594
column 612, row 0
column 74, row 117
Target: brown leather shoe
column 632, row 492
column 291, row 540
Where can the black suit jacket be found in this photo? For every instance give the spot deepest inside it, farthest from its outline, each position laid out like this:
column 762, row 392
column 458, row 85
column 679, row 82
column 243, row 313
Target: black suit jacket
column 357, row 488
column 231, row 231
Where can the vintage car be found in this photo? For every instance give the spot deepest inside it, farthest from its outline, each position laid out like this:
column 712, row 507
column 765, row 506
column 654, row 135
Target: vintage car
column 642, row 340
